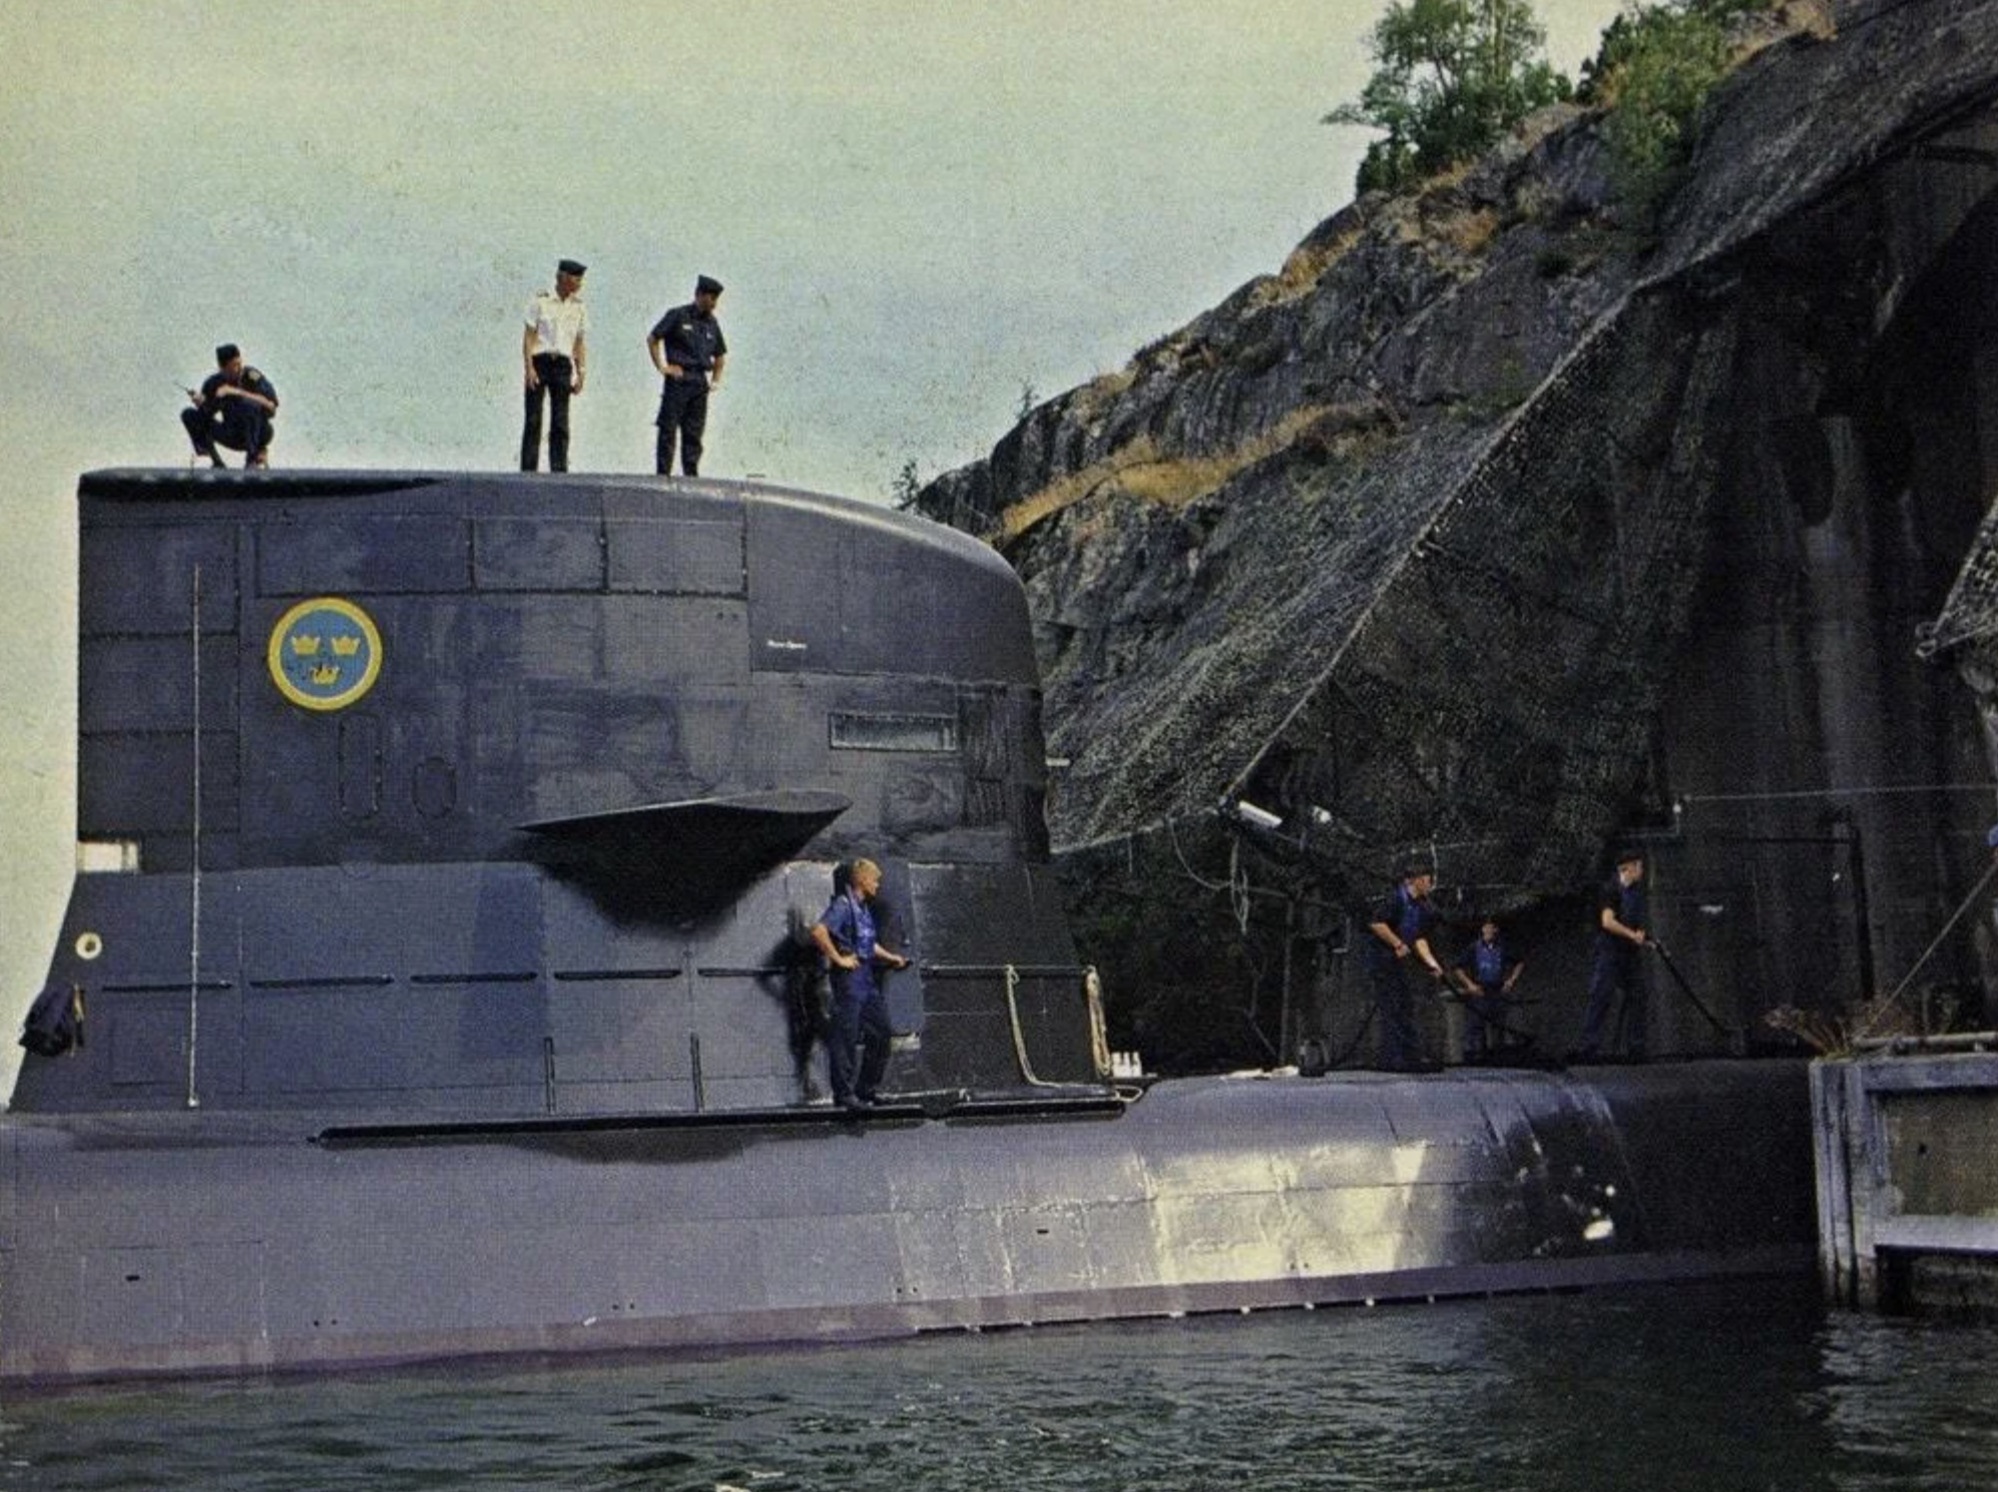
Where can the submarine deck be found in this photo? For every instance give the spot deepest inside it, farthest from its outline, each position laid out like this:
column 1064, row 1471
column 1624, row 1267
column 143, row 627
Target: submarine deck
column 171, row 1244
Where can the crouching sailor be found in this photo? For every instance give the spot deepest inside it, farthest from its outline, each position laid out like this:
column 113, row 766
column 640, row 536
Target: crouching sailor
column 857, row 1046
column 234, row 408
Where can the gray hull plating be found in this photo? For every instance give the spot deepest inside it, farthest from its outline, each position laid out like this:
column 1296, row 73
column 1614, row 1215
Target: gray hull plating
column 453, row 836
column 222, row 1243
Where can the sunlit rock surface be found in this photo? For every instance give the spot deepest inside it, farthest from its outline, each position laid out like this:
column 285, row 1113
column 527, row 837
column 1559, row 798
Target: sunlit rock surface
column 1492, row 527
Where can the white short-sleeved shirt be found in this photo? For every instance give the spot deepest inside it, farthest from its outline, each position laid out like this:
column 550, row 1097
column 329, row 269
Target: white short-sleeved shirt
column 557, row 322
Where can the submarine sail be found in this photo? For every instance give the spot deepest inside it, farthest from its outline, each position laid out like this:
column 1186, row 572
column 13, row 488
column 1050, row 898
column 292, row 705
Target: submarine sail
column 449, row 841
column 510, row 794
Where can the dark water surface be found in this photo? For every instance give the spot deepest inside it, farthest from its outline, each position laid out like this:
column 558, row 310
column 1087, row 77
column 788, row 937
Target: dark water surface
column 1749, row 1386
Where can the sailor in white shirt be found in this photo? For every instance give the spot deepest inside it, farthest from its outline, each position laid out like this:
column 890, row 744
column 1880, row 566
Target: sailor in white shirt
column 554, row 353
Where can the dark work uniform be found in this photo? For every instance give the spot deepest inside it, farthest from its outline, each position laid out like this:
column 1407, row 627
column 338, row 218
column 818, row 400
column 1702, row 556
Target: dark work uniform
column 1411, row 918
column 1617, row 967
column 857, row 1047
column 1487, row 964
column 691, row 341
column 240, row 424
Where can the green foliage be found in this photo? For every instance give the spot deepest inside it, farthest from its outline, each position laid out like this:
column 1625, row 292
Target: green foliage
column 1654, row 70
column 907, row 486
column 1453, row 76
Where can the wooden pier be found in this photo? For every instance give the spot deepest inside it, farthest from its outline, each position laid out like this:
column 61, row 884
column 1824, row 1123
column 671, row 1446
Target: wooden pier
column 1905, row 1135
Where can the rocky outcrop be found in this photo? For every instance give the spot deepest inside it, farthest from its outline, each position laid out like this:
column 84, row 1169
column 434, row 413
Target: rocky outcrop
column 1486, row 528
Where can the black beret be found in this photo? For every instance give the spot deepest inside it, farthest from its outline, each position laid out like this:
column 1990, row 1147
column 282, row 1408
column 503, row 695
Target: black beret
column 571, row 267
column 707, row 286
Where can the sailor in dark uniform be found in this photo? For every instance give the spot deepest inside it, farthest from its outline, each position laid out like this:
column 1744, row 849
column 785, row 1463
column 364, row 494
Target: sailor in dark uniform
column 1400, row 927
column 1486, row 972
column 857, row 1045
column 234, row 408
column 689, row 350
column 1621, row 921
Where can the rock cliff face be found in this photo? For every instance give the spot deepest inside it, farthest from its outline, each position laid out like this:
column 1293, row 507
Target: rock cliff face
column 1485, row 532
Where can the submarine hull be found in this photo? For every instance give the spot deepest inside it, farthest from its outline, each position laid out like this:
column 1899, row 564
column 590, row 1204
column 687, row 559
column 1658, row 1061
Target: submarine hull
column 189, row 1243
column 441, row 987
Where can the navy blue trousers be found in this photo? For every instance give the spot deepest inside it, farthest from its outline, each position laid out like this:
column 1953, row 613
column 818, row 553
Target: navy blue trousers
column 1400, row 1046
column 857, row 1047
column 1616, row 969
column 235, row 423
column 683, row 412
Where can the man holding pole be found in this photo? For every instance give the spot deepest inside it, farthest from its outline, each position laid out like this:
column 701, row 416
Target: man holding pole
column 1621, row 921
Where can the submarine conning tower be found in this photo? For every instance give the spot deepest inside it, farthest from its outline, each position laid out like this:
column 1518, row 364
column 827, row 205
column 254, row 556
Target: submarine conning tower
column 499, row 795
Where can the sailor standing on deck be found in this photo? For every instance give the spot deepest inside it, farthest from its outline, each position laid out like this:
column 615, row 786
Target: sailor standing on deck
column 554, row 355
column 1621, row 919
column 857, row 1045
column 1400, row 932
column 1486, row 973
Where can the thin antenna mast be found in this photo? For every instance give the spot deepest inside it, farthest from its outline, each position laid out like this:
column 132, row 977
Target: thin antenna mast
column 194, row 909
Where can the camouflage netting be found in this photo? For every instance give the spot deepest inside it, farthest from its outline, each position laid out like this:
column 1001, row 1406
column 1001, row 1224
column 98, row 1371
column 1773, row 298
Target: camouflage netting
column 1971, row 613
column 1487, row 533
column 1442, row 645
column 1494, row 702
column 1454, row 634
column 1896, row 72
column 1966, row 631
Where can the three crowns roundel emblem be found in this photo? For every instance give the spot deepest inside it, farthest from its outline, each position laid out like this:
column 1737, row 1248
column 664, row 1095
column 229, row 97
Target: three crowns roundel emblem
column 325, row 653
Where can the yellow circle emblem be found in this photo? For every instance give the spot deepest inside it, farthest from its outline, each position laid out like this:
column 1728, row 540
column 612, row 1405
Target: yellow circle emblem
column 325, row 654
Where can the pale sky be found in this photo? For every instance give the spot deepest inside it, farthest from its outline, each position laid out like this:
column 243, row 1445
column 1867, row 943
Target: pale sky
column 920, row 209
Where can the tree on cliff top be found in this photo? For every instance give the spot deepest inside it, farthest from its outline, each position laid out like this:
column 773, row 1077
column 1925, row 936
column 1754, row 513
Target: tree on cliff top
column 1652, row 73
column 1453, row 76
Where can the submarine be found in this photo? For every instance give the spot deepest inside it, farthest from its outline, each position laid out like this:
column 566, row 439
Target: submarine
column 434, row 983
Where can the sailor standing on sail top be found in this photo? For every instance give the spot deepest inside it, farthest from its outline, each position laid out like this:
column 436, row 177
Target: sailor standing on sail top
column 1400, row 931
column 554, row 360
column 857, row 1046
column 689, row 350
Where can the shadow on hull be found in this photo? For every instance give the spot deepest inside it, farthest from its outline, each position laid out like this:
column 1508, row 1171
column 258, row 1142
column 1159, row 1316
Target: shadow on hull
column 452, row 842
column 201, row 1244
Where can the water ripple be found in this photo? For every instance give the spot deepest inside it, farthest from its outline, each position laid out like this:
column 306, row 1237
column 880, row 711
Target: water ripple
column 1747, row 1386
